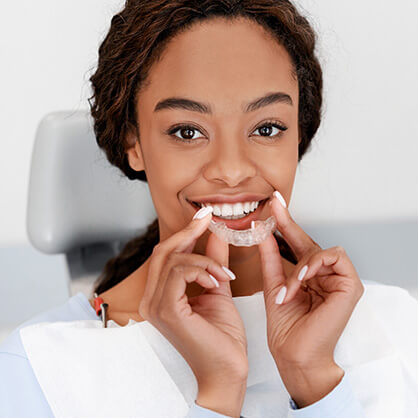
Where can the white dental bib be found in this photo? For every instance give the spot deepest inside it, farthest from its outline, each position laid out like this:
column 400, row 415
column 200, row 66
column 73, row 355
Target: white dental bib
column 134, row 371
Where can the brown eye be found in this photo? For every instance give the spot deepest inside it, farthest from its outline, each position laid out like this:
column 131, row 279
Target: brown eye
column 187, row 133
column 268, row 128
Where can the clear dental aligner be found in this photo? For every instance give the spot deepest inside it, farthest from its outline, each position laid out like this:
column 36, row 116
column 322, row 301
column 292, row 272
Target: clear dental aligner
column 244, row 237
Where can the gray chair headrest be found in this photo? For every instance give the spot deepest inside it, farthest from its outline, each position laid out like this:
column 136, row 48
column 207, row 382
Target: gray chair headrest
column 76, row 197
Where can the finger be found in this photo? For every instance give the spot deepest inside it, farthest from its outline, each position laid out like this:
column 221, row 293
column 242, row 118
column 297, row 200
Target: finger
column 333, row 269
column 190, row 248
column 272, row 267
column 182, row 240
column 175, row 287
column 299, row 241
column 186, row 237
column 218, row 250
column 341, row 291
column 201, row 261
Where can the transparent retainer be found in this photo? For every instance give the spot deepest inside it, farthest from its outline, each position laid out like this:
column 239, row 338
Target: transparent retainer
column 244, row 237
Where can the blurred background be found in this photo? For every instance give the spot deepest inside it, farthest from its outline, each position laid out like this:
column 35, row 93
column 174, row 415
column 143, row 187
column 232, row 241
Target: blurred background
column 357, row 186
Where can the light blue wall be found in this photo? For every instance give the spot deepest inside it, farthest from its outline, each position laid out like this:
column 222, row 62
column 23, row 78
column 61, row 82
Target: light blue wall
column 30, row 282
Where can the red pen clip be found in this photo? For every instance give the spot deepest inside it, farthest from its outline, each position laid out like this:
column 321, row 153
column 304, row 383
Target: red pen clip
column 100, row 308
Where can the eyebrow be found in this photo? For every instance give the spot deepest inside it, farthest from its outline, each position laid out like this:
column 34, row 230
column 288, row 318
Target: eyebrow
column 194, row 106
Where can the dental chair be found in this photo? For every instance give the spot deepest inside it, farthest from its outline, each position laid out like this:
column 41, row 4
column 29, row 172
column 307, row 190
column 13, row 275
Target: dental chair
column 82, row 207
column 79, row 205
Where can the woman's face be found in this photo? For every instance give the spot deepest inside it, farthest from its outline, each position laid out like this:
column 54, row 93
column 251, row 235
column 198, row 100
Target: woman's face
column 228, row 147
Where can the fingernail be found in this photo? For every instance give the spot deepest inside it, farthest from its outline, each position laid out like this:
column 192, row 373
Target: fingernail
column 214, row 280
column 281, row 295
column 280, row 197
column 229, row 273
column 201, row 213
column 302, row 273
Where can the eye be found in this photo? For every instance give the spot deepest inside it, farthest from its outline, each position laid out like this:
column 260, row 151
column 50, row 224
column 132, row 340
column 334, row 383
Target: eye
column 267, row 129
column 187, row 130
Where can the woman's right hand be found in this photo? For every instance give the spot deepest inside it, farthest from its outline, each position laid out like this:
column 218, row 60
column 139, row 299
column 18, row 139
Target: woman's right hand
column 207, row 329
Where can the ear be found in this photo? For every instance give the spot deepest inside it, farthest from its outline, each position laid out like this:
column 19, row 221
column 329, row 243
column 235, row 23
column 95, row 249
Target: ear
column 134, row 152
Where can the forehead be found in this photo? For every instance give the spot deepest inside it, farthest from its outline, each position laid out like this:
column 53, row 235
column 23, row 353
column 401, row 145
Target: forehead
column 224, row 62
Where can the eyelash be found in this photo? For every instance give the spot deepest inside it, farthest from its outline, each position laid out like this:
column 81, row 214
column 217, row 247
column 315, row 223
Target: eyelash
column 270, row 123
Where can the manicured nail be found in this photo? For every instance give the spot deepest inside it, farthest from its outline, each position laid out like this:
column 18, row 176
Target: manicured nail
column 281, row 295
column 280, row 197
column 214, row 280
column 201, row 213
column 302, row 273
column 229, row 273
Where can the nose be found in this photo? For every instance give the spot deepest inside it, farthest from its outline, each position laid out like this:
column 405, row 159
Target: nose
column 230, row 162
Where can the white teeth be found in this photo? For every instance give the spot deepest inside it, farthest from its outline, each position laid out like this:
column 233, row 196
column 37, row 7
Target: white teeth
column 238, row 209
column 227, row 209
column 232, row 211
column 217, row 210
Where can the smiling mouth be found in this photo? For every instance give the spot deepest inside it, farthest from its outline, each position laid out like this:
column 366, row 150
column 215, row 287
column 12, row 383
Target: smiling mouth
column 232, row 212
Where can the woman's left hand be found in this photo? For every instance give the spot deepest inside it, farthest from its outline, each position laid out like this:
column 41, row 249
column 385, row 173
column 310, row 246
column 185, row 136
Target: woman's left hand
column 304, row 330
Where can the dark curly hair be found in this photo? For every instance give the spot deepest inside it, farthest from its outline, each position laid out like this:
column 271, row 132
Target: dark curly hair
column 136, row 39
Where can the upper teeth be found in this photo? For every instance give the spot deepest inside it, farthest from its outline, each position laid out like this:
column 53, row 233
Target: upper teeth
column 226, row 209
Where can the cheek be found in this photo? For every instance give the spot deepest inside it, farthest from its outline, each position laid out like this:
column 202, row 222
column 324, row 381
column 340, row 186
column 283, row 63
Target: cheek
column 173, row 171
column 279, row 165
column 169, row 173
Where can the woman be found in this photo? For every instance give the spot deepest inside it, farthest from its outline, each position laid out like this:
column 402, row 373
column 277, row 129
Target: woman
column 214, row 103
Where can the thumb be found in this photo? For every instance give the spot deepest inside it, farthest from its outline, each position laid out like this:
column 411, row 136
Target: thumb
column 271, row 266
column 218, row 249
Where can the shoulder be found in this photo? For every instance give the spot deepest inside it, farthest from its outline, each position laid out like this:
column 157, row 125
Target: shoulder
column 76, row 307
column 381, row 292
column 391, row 301
column 396, row 309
